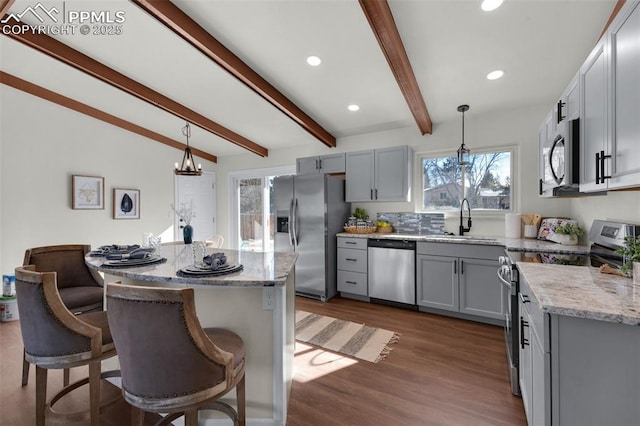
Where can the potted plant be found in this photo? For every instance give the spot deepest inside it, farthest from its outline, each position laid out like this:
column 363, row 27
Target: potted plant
column 631, row 253
column 567, row 233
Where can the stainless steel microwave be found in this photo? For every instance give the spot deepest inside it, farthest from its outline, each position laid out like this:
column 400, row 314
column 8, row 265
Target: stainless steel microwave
column 560, row 157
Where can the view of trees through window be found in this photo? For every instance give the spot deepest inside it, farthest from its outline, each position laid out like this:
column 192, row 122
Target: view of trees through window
column 485, row 182
column 256, row 213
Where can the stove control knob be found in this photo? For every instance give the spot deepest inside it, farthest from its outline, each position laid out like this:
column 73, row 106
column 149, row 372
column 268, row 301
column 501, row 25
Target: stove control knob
column 503, row 260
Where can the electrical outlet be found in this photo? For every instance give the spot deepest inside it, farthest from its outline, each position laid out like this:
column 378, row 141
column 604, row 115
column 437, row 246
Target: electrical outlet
column 268, row 294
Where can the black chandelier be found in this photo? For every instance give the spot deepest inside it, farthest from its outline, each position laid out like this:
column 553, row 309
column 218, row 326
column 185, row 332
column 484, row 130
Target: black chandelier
column 463, row 151
column 188, row 166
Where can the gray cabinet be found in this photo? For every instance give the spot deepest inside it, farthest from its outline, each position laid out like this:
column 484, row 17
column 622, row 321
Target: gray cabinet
column 459, row 278
column 379, row 175
column 332, row 163
column 577, row 371
column 625, row 90
column 352, row 266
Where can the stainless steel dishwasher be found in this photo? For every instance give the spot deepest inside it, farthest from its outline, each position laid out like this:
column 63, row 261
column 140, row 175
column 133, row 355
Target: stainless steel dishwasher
column 392, row 270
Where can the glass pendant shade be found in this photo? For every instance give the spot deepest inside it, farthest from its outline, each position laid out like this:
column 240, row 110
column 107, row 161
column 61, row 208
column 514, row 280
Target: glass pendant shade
column 463, row 151
column 188, row 165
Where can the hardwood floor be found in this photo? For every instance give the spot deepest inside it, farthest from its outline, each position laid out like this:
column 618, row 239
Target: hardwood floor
column 443, row 371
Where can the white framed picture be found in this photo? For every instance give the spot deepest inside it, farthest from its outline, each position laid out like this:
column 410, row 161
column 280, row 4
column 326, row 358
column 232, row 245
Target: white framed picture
column 87, row 192
column 126, row 203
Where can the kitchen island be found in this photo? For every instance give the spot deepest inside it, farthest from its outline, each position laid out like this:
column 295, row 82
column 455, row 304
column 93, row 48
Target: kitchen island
column 257, row 303
column 580, row 345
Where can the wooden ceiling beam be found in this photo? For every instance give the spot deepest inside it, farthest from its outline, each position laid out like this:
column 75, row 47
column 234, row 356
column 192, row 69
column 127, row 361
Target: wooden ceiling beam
column 181, row 24
column 51, row 47
column 381, row 20
column 39, row 91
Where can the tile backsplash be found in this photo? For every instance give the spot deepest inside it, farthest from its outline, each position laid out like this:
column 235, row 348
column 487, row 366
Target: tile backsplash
column 415, row 223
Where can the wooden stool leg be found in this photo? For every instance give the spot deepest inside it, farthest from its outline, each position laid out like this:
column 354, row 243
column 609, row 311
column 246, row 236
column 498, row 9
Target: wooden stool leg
column 137, row 416
column 25, row 369
column 41, row 394
column 94, row 392
column 191, row 418
column 241, row 402
column 65, row 377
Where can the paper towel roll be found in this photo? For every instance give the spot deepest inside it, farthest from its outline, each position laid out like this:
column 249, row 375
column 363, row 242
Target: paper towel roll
column 512, row 225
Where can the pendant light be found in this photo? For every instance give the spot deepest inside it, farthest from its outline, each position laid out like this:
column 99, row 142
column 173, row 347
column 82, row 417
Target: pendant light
column 188, row 166
column 463, row 151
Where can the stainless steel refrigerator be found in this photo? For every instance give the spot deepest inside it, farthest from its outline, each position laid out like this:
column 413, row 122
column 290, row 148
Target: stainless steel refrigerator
column 310, row 211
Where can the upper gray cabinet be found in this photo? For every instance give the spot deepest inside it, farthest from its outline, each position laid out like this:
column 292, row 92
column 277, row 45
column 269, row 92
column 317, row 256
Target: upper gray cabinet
column 610, row 101
column 625, row 73
column 332, row 163
column 379, row 175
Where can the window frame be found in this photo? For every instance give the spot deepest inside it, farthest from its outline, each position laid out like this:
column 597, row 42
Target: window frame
column 514, row 188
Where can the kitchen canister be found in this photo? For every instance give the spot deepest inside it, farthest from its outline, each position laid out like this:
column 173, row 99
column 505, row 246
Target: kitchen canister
column 8, row 285
column 9, row 309
column 512, row 225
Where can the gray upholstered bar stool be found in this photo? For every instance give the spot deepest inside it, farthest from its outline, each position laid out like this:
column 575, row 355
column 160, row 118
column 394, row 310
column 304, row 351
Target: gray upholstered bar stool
column 55, row 338
column 169, row 363
column 80, row 288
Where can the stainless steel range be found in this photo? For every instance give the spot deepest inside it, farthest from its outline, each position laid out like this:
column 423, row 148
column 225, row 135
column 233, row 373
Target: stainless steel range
column 606, row 237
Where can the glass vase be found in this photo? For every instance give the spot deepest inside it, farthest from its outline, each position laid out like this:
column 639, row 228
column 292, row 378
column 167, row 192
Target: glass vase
column 187, row 234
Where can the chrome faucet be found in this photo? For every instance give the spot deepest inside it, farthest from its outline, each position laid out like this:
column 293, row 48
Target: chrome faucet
column 462, row 228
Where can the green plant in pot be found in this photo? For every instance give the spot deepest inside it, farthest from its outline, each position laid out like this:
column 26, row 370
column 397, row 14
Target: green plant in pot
column 568, row 233
column 631, row 253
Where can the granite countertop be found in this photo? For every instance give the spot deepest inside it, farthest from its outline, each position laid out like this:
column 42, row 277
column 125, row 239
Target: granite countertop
column 259, row 269
column 511, row 244
column 583, row 292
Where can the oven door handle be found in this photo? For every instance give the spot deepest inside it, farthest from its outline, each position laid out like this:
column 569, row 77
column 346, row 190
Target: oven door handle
column 507, row 283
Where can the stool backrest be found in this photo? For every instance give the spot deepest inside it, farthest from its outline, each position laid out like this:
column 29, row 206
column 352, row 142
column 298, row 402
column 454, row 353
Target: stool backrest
column 164, row 352
column 67, row 260
column 50, row 332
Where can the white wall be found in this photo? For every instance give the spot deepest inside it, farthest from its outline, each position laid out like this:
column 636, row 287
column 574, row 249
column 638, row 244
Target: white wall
column 42, row 145
column 620, row 206
column 517, row 127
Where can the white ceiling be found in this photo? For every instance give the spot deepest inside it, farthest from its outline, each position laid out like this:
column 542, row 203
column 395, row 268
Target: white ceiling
column 452, row 45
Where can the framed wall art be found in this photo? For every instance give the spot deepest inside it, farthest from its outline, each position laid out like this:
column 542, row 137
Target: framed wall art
column 126, row 203
column 87, row 192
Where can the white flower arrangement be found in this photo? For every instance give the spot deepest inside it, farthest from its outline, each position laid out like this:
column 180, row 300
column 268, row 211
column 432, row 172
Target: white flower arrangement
column 185, row 212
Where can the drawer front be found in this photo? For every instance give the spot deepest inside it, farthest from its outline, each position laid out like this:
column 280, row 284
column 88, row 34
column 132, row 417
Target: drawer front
column 352, row 282
column 352, row 260
column 354, row 243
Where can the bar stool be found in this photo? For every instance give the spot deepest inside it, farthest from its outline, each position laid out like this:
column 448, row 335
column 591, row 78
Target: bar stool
column 80, row 288
column 169, row 363
column 55, row 338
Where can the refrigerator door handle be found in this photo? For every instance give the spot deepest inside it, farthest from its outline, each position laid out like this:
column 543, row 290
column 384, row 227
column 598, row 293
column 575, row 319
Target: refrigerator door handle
column 295, row 222
column 290, row 223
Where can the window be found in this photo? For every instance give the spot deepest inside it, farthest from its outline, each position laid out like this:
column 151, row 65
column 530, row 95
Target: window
column 485, row 182
column 252, row 212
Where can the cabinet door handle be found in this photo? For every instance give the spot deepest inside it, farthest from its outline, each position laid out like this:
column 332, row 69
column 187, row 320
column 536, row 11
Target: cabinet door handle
column 350, row 242
column 455, row 267
column 351, row 282
column 559, row 115
column 461, row 266
column 351, row 260
column 376, row 193
column 597, row 168
column 523, row 342
column 371, row 197
column 540, row 188
column 320, row 162
column 602, row 158
column 524, row 298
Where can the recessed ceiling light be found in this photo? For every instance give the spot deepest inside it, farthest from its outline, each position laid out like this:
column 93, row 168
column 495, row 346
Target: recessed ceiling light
column 494, row 75
column 489, row 5
column 353, row 107
column 314, row 61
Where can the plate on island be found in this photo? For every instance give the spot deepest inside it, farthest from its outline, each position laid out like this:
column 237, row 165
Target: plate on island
column 124, row 263
column 200, row 271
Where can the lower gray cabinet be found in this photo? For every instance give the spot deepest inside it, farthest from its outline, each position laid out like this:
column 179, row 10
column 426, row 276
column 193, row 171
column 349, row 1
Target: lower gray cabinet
column 459, row 278
column 352, row 266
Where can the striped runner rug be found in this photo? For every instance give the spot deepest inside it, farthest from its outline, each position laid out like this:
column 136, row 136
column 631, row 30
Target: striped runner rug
column 345, row 337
